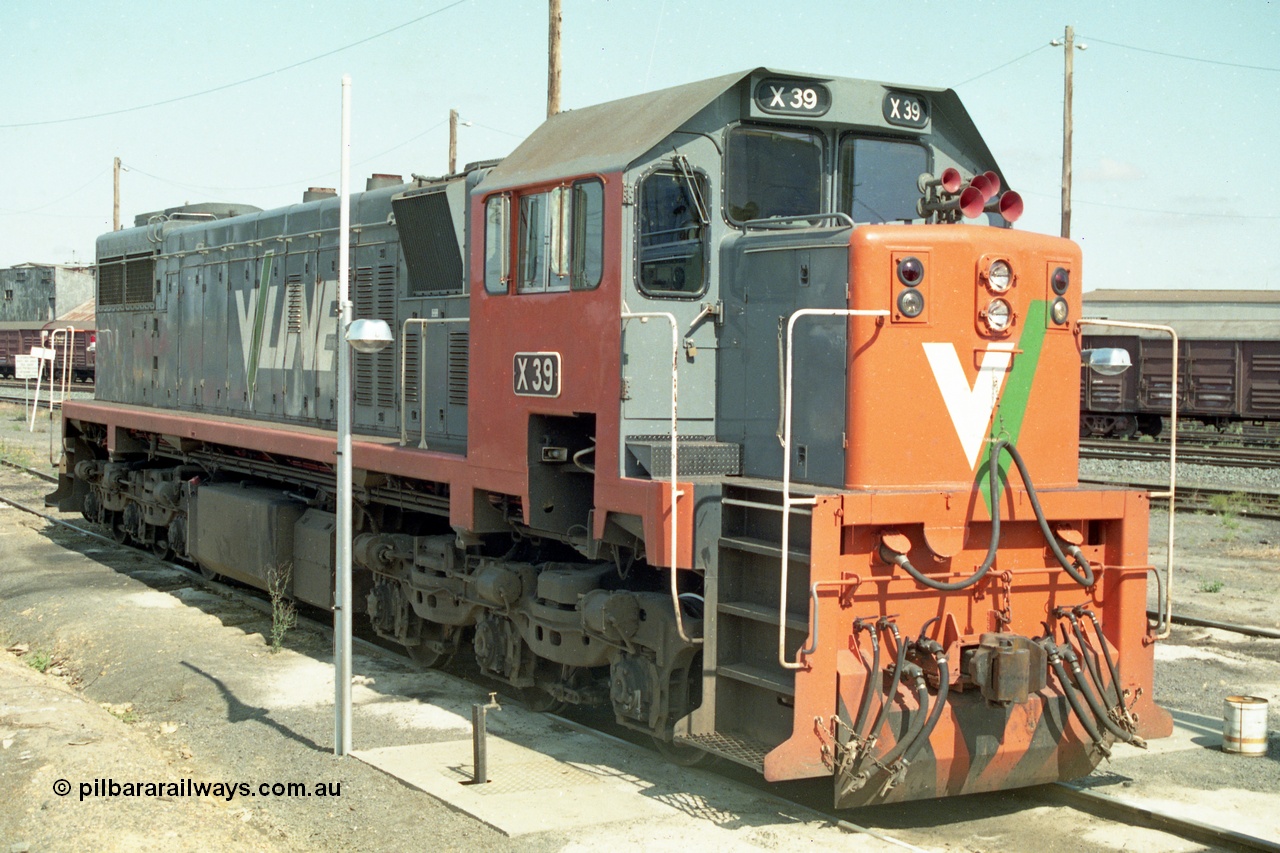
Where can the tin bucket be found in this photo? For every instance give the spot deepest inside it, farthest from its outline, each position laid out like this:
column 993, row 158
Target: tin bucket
column 1244, row 725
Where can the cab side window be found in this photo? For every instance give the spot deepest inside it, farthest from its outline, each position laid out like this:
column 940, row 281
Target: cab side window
column 559, row 240
column 496, row 240
column 587, row 246
column 673, row 234
column 536, row 238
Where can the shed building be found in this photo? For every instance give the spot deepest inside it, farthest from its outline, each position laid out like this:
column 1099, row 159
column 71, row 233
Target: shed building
column 39, row 293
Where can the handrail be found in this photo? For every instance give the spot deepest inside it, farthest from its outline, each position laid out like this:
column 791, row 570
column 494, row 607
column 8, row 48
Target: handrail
column 787, row 500
column 422, row 374
column 68, row 365
column 644, row 316
column 1162, row 632
column 773, row 223
column 68, row 355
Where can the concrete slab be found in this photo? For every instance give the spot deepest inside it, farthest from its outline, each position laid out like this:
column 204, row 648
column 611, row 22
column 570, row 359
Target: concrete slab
column 1188, row 775
column 1190, row 731
column 527, row 791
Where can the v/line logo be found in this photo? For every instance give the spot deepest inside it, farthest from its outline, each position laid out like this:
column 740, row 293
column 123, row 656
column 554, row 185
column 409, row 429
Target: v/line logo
column 970, row 406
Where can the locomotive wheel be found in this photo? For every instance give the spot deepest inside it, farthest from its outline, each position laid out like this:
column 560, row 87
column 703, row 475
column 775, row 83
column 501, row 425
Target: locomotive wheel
column 118, row 531
column 160, row 547
column 540, row 701
column 428, row 658
column 681, row 755
column 208, row 573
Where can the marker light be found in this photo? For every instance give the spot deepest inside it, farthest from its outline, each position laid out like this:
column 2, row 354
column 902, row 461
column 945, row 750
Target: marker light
column 1061, row 281
column 999, row 276
column 910, row 303
column 999, row 315
column 910, row 271
column 1059, row 311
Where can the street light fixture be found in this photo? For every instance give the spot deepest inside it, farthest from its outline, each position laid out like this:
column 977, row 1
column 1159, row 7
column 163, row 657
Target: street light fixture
column 369, row 336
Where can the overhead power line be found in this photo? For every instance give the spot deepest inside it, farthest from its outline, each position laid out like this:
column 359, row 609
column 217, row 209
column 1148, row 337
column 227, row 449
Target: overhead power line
column 59, row 198
column 226, row 86
column 294, row 183
column 998, row 67
column 1182, row 56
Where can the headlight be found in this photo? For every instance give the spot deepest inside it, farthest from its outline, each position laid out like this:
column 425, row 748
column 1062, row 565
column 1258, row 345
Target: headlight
column 999, row 315
column 1059, row 311
column 910, row 271
column 910, row 303
column 999, row 276
column 1061, row 281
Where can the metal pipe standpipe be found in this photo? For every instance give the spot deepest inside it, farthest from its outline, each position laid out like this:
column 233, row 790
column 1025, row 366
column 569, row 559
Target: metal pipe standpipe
column 479, row 738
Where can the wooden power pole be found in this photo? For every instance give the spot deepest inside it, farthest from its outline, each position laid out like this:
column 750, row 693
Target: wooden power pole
column 115, row 207
column 453, row 141
column 1069, row 46
column 553, row 59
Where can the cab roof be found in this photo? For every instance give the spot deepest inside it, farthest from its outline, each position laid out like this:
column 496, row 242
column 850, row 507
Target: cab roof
column 610, row 137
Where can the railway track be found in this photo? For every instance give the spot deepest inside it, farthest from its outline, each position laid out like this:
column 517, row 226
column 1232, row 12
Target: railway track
column 1192, row 454
column 1072, row 796
column 1254, row 503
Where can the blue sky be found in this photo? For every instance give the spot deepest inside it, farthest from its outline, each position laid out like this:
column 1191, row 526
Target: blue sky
column 1175, row 147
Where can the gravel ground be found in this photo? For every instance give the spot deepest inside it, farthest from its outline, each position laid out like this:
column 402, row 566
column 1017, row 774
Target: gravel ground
column 1245, row 479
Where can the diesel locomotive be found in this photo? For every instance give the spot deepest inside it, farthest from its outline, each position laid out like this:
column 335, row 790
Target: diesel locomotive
column 737, row 407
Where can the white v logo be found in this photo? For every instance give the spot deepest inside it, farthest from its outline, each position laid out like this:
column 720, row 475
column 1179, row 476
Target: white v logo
column 970, row 408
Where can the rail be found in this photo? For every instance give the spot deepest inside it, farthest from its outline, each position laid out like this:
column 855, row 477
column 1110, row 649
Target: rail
column 422, row 374
column 644, row 317
column 1164, row 625
column 787, row 501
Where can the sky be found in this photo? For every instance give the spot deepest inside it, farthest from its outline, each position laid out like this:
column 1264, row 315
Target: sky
column 1176, row 104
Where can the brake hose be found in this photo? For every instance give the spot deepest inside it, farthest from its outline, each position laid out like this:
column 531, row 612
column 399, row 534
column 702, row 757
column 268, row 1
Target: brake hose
column 1085, row 578
column 899, row 559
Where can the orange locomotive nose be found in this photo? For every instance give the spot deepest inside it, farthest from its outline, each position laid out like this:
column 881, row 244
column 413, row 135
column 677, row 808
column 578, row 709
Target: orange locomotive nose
column 990, row 601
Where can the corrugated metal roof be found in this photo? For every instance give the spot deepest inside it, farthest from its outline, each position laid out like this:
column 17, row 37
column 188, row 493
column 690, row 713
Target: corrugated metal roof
column 1216, row 297
column 1199, row 330
column 84, row 314
column 606, row 137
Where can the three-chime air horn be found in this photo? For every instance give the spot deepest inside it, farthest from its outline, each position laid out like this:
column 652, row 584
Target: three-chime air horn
column 948, row 198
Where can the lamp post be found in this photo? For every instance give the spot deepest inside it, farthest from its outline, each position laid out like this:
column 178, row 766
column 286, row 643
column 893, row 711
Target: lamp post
column 368, row 337
column 365, row 336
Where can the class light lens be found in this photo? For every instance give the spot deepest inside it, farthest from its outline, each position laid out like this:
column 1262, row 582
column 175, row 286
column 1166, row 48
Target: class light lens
column 1059, row 311
column 910, row 303
column 1061, row 281
column 999, row 276
column 999, row 315
column 910, row 271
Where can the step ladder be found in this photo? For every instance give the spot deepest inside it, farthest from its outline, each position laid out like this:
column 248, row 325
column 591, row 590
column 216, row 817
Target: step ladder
column 748, row 697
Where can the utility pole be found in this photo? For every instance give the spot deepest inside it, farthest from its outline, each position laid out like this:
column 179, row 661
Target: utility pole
column 553, row 59
column 115, row 207
column 453, row 141
column 1069, row 44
